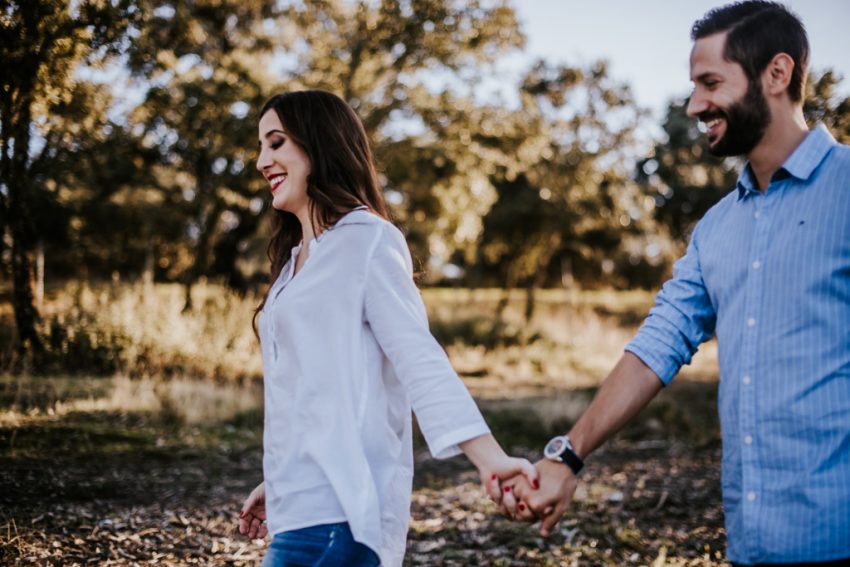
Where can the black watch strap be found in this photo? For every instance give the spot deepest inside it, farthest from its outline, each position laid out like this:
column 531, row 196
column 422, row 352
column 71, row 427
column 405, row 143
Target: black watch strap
column 572, row 460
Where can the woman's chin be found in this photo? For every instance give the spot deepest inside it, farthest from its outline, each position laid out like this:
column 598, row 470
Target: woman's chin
column 279, row 203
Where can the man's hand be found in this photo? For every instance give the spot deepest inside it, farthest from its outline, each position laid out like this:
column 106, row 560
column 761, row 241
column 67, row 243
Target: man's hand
column 550, row 501
column 627, row 390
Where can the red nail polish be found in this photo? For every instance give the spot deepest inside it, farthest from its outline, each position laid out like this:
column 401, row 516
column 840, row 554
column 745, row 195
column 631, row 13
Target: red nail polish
column 494, row 477
column 535, row 483
column 522, row 506
column 242, row 514
column 507, row 489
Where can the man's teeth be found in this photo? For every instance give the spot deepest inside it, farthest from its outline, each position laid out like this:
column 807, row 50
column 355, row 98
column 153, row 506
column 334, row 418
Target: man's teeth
column 712, row 123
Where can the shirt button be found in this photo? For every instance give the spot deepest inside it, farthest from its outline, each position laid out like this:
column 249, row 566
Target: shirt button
column 751, row 496
column 748, row 440
column 756, row 265
column 746, row 380
column 751, row 322
column 756, row 215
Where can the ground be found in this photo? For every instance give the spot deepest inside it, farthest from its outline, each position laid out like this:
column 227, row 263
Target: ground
column 136, row 488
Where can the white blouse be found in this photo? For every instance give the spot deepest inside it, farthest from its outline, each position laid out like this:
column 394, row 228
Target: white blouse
column 346, row 353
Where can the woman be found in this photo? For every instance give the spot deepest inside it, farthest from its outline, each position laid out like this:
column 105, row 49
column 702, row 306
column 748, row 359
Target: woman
column 346, row 353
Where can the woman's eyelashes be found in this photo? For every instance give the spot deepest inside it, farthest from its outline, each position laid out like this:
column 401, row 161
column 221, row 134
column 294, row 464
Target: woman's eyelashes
column 277, row 143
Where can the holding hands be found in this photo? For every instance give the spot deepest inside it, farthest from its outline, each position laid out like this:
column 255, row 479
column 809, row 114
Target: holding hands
column 522, row 501
column 548, row 498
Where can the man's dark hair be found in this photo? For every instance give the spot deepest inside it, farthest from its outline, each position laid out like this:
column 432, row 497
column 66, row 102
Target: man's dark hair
column 757, row 32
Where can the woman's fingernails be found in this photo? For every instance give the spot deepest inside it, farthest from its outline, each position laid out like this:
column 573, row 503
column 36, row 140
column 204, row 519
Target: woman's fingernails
column 535, row 483
column 494, row 477
column 522, row 506
column 507, row 489
column 242, row 514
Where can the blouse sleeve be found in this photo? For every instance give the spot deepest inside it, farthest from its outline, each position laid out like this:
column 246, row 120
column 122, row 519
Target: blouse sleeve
column 393, row 308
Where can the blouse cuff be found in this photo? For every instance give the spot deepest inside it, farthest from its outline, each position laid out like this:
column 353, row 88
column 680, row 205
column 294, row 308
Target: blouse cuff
column 446, row 445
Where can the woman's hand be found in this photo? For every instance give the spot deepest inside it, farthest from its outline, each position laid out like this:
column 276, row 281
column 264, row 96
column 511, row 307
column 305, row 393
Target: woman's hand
column 495, row 466
column 252, row 518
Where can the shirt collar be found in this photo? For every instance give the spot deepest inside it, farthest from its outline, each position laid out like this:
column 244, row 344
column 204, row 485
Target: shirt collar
column 357, row 215
column 800, row 164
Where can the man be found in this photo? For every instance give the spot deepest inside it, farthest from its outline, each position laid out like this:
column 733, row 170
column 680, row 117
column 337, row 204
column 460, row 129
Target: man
column 768, row 271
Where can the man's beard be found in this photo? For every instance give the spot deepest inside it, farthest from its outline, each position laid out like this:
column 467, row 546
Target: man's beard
column 746, row 122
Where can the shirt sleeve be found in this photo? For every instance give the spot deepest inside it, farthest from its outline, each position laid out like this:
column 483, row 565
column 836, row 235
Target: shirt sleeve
column 393, row 307
column 683, row 318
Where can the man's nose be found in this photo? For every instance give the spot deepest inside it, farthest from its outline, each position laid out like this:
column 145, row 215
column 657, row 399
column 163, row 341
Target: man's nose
column 696, row 105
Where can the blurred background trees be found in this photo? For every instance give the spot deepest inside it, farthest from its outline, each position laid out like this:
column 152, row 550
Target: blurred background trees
column 128, row 130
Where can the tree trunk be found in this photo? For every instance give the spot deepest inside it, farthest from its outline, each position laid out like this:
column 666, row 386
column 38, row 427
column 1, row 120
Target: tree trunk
column 187, row 294
column 510, row 283
column 202, row 251
column 39, row 275
column 226, row 252
column 23, row 240
column 539, row 277
column 147, row 272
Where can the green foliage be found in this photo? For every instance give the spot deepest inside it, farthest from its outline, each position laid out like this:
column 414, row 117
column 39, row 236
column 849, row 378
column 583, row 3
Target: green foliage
column 160, row 182
column 43, row 43
column 682, row 177
column 570, row 211
column 823, row 104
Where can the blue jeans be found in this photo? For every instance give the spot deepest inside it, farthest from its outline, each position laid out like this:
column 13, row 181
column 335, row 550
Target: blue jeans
column 326, row 545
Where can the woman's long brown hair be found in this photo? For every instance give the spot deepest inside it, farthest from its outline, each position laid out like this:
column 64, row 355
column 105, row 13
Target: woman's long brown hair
column 342, row 169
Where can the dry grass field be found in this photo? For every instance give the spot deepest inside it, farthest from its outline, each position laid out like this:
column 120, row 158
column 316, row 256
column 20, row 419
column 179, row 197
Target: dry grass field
column 138, row 445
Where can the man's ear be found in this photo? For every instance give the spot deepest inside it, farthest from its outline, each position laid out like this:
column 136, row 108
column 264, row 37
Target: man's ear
column 777, row 74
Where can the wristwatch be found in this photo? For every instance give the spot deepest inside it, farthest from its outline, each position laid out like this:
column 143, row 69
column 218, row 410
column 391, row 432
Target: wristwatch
column 560, row 449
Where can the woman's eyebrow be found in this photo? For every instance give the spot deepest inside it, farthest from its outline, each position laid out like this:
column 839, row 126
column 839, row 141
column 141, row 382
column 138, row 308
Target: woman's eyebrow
column 269, row 133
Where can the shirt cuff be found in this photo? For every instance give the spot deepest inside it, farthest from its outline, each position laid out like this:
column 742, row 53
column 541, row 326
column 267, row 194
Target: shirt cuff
column 446, row 445
column 647, row 348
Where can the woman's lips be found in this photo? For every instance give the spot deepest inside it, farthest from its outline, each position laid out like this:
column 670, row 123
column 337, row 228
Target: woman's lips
column 276, row 181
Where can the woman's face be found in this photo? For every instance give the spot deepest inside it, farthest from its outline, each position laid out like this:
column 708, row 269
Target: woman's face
column 285, row 165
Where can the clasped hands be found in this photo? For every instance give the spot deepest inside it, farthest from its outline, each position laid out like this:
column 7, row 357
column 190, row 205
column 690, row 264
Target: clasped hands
column 545, row 498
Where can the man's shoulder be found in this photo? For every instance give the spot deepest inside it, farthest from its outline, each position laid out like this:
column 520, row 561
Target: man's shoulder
column 840, row 155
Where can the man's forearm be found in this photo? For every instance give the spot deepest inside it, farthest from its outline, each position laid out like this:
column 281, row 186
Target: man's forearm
column 629, row 387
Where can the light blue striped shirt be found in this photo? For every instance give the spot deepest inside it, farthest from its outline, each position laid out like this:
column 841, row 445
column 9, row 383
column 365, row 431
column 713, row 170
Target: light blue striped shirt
column 769, row 274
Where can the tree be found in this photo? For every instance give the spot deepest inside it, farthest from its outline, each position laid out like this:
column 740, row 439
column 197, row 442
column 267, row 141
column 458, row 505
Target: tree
column 681, row 176
column 823, row 104
column 41, row 44
column 570, row 209
column 207, row 65
column 412, row 63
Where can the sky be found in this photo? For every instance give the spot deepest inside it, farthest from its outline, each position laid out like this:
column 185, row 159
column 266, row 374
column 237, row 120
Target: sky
column 647, row 42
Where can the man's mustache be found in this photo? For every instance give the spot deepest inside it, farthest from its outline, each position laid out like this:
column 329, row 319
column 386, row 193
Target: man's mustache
column 709, row 115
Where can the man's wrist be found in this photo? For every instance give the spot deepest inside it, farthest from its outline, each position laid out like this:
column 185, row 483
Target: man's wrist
column 560, row 449
column 577, row 441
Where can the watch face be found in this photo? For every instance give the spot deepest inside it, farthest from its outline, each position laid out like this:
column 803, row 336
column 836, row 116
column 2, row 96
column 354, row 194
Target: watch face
column 555, row 447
